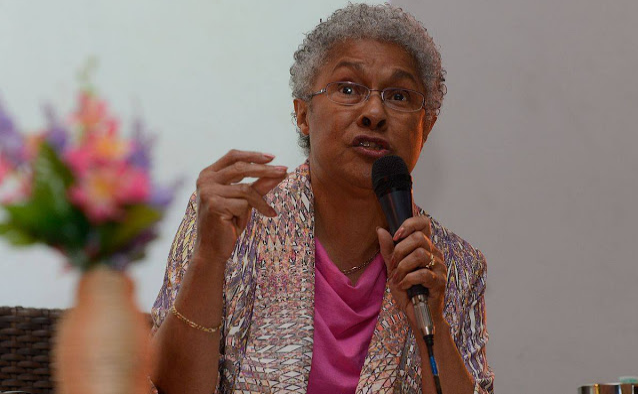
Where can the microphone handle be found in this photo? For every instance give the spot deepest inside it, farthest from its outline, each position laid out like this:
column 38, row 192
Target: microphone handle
column 418, row 289
column 419, row 297
column 397, row 207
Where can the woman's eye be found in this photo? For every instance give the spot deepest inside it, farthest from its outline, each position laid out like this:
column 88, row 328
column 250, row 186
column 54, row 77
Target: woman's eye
column 399, row 95
column 347, row 90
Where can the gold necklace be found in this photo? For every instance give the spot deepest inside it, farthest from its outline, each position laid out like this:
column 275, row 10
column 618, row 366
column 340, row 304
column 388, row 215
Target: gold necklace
column 360, row 267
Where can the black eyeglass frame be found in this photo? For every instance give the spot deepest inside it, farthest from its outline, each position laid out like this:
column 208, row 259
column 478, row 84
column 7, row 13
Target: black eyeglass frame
column 367, row 96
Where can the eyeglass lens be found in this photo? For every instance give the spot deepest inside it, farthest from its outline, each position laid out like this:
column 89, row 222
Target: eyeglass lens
column 349, row 93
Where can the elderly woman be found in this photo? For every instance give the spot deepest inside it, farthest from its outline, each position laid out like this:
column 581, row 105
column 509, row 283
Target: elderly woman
column 292, row 283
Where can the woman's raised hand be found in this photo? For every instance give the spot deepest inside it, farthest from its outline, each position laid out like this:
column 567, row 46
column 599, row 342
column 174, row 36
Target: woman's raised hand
column 224, row 204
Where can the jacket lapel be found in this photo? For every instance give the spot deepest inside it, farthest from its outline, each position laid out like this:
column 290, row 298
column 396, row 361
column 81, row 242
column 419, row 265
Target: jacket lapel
column 279, row 349
column 381, row 365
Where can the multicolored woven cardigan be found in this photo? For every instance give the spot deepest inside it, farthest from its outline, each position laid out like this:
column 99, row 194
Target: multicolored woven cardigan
column 267, row 333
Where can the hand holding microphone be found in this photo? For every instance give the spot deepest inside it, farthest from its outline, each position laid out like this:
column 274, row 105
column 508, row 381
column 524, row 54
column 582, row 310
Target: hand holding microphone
column 409, row 263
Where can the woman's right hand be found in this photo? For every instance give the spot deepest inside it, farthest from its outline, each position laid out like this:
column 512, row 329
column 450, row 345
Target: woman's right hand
column 224, row 204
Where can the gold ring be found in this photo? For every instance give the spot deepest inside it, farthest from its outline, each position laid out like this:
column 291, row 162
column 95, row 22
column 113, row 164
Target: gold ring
column 431, row 263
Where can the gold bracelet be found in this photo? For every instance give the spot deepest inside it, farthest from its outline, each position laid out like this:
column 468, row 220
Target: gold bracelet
column 195, row 325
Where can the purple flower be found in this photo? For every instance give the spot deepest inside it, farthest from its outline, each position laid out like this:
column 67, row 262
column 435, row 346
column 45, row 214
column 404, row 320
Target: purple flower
column 56, row 134
column 11, row 141
column 142, row 143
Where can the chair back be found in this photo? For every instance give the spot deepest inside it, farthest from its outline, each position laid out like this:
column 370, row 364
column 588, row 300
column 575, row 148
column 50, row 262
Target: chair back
column 25, row 343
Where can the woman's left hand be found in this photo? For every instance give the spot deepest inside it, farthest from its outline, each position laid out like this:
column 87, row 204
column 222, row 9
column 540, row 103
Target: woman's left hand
column 412, row 261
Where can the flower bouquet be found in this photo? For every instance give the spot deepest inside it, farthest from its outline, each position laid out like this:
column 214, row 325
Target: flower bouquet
column 85, row 191
column 79, row 187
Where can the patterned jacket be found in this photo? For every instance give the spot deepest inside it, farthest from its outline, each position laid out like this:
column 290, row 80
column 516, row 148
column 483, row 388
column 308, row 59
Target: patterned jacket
column 267, row 332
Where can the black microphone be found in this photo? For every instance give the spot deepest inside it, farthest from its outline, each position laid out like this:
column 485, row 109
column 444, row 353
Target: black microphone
column 392, row 184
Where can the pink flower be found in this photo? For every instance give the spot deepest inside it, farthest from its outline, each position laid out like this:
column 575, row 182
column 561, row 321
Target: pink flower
column 98, row 148
column 5, row 167
column 92, row 114
column 102, row 192
column 15, row 185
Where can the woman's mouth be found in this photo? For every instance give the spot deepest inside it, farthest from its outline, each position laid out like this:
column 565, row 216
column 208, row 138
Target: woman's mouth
column 371, row 146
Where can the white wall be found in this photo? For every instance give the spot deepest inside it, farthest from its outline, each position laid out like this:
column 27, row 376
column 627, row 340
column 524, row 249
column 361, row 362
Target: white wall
column 532, row 158
column 206, row 75
column 534, row 161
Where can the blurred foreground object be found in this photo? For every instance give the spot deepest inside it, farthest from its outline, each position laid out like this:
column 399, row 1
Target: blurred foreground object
column 83, row 190
column 86, row 194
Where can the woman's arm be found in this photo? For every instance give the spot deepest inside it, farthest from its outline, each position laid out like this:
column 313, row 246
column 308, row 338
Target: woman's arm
column 454, row 376
column 186, row 359
column 464, row 369
column 415, row 260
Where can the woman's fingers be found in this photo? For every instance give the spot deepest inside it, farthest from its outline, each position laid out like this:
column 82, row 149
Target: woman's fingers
column 426, row 278
column 386, row 246
column 410, row 225
column 234, row 155
column 419, row 258
column 411, row 243
column 264, row 185
column 231, row 208
column 247, row 192
column 237, row 171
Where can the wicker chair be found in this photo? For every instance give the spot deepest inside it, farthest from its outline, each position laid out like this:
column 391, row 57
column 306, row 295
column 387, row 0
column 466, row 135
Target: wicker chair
column 25, row 342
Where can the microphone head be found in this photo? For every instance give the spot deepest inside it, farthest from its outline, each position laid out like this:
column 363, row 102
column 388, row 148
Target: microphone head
column 390, row 173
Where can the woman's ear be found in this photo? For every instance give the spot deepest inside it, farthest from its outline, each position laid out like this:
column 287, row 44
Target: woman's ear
column 428, row 124
column 301, row 115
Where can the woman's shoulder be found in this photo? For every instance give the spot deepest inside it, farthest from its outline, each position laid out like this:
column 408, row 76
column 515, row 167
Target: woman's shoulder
column 296, row 187
column 455, row 249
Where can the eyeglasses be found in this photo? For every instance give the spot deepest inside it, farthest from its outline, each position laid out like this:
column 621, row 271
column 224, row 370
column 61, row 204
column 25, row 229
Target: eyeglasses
column 350, row 93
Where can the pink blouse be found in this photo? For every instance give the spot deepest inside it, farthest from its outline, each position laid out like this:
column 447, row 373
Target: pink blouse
column 344, row 321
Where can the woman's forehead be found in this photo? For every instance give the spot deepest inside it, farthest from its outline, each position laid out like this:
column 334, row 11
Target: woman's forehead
column 367, row 56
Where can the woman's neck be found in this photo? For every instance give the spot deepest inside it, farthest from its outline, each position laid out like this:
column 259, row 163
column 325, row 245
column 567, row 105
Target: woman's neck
column 345, row 222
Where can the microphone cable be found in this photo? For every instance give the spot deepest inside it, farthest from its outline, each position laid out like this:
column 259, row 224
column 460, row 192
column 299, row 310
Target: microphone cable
column 419, row 297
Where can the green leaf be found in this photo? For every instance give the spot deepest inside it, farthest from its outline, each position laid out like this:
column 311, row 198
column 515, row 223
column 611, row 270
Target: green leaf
column 117, row 235
column 48, row 216
column 15, row 235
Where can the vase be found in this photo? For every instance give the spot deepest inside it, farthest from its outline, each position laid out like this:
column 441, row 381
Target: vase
column 102, row 344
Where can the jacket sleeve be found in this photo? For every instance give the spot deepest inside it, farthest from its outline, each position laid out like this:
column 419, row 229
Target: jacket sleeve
column 177, row 263
column 474, row 332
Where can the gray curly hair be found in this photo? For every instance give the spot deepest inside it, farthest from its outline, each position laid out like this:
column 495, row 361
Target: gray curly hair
column 382, row 22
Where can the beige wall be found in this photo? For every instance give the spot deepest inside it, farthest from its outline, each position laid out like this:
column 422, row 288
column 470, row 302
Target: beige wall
column 534, row 161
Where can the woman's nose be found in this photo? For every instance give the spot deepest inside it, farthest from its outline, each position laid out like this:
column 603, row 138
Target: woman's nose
column 373, row 114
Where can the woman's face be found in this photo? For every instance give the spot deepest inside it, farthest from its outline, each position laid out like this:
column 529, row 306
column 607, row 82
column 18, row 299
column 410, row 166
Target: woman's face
column 345, row 140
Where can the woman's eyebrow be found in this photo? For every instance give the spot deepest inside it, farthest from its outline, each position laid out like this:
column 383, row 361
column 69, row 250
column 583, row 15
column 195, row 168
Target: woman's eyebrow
column 397, row 74
column 357, row 66
column 402, row 74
